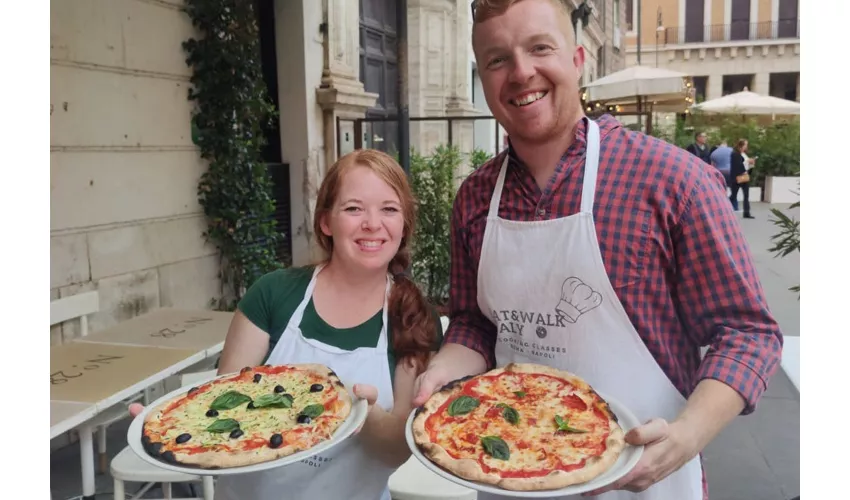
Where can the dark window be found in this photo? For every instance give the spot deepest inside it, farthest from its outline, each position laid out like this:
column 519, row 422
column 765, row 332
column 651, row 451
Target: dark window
column 700, row 88
column 740, row 28
column 379, row 71
column 694, row 21
column 630, row 14
column 732, row 84
column 784, row 85
column 788, row 19
column 600, row 62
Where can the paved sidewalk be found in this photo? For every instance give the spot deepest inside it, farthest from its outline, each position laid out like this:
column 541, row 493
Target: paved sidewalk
column 756, row 458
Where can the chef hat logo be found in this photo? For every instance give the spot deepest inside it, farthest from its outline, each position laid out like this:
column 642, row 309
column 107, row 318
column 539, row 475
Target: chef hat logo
column 576, row 299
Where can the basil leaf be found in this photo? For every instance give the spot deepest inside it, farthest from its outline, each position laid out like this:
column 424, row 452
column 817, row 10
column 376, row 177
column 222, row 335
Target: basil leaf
column 313, row 411
column 519, row 394
column 463, row 405
column 563, row 425
column 223, row 425
column 229, row 400
column 495, row 447
column 273, row 401
column 510, row 414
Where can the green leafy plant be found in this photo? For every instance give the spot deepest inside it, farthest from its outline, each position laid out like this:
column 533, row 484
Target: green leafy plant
column 432, row 182
column 231, row 109
column 478, row 157
column 787, row 240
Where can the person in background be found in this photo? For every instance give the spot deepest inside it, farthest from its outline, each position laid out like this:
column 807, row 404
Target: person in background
column 357, row 313
column 699, row 148
column 721, row 158
column 632, row 233
column 740, row 175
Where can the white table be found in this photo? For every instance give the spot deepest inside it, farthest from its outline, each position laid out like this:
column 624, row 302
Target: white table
column 90, row 375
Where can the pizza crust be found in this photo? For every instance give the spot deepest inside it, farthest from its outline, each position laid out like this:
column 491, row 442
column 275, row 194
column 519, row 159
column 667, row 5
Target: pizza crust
column 471, row 470
column 221, row 459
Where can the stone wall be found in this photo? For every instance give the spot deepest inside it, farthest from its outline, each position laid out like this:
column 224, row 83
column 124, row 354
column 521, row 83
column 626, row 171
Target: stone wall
column 124, row 215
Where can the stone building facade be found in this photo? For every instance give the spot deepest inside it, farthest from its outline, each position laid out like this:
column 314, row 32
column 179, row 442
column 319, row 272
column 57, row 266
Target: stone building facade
column 725, row 45
column 125, row 219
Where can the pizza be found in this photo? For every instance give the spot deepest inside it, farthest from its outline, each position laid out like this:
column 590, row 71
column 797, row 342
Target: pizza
column 259, row 414
column 521, row 427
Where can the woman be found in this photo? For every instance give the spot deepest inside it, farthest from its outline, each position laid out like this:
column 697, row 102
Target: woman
column 739, row 175
column 337, row 313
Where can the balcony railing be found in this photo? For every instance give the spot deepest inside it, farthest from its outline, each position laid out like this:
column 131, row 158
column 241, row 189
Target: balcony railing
column 734, row 32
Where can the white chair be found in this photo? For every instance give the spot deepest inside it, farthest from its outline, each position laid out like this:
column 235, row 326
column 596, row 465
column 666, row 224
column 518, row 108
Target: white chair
column 80, row 306
column 127, row 466
column 413, row 481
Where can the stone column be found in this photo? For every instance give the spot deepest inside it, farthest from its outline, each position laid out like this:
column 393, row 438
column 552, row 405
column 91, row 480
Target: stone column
column 714, row 87
column 761, row 83
column 341, row 94
column 460, row 81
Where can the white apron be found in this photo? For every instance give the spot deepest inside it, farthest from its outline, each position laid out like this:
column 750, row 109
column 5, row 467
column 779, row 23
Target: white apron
column 346, row 471
column 557, row 307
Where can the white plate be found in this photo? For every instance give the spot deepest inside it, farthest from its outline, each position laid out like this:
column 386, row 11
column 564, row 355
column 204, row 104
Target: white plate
column 359, row 409
column 625, row 462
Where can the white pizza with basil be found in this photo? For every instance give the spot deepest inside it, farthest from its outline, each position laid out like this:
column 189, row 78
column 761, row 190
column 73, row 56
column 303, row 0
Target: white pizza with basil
column 260, row 414
column 520, row 427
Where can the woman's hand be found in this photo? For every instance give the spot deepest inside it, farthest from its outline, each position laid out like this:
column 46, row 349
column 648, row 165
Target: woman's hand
column 135, row 409
column 370, row 394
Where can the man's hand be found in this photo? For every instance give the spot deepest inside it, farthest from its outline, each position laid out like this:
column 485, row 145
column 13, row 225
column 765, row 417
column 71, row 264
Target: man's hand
column 667, row 448
column 454, row 361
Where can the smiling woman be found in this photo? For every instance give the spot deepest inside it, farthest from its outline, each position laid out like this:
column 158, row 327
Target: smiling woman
column 354, row 312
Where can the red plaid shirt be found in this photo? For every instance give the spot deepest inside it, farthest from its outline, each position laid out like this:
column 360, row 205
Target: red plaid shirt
column 671, row 245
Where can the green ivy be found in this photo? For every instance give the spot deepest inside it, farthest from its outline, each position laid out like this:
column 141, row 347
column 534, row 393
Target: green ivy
column 231, row 109
column 432, row 182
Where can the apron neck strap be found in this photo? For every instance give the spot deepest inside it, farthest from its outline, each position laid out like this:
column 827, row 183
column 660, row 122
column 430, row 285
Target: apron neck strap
column 591, row 167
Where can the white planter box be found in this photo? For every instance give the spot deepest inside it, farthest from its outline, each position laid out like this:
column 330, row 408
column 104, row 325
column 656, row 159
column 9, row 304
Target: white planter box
column 781, row 189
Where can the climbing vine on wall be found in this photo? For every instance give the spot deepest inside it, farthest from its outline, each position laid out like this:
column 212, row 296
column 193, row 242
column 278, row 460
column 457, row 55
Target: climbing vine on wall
column 231, row 109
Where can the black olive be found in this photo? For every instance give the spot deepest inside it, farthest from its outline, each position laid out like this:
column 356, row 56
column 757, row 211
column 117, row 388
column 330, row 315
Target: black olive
column 278, row 389
column 257, row 377
column 212, row 413
column 193, row 389
column 182, row 438
column 246, row 369
column 316, row 388
column 276, row 440
column 251, row 405
column 236, row 433
column 304, row 419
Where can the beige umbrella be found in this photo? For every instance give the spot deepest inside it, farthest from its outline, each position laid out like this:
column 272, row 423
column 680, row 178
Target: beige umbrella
column 639, row 81
column 749, row 103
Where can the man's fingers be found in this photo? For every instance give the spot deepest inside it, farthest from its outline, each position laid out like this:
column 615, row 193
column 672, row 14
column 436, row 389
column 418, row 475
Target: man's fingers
column 135, row 409
column 649, row 432
column 425, row 385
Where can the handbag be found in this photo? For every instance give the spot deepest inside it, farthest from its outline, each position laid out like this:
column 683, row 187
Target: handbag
column 743, row 178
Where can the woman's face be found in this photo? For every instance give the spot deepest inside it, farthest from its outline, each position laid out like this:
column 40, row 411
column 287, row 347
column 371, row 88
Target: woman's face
column 366, row 222
column 745, row 147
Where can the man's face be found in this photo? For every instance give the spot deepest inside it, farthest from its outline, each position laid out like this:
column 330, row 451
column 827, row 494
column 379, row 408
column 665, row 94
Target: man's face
column 701, row 139
column 530, row 69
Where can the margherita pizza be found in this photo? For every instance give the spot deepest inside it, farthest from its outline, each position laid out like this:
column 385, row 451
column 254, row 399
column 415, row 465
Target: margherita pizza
column 260, row 414
column 521, row 427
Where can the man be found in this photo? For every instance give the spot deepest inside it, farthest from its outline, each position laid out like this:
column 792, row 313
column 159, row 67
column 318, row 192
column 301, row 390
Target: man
column 647, row 251
column 721, row 158
column 699, row 148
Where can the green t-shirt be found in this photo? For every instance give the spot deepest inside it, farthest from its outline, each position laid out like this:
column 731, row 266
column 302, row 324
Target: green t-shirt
column 270, row 302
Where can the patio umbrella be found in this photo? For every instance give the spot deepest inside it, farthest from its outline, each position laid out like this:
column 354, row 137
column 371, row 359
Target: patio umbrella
column 749, row 103
column 639, row 81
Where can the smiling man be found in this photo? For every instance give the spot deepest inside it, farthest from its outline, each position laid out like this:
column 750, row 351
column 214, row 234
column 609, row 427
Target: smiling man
column 625, row 243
